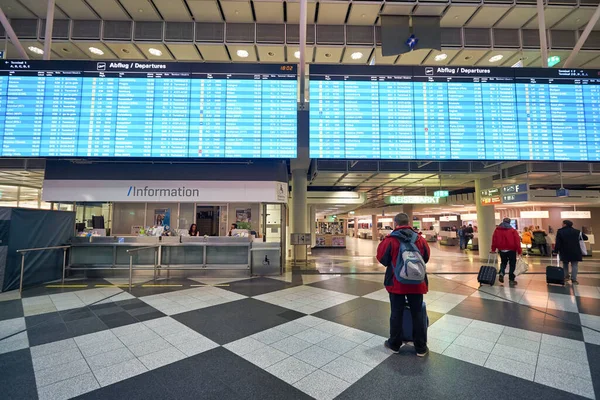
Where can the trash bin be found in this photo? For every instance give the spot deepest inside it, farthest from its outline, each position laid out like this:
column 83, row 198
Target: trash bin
column 266, row 259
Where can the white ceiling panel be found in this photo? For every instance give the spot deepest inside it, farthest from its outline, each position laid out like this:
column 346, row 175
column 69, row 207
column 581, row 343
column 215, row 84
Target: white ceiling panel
column 576, row 19
column 173, row 10
column 525, row 56
column 414, row 57
column 126, row 50
column 381, row 60
column 12, row 50
column 185, row 52
column 432, row 9
column 233, row 49
column 205, row 11
column 553, row 15
column 108, row 9
column 76, row 9
column 506, row 54
column 271, row 54
column 15, row 9
column 366, row 53
column 363, row 13
column 293, row 11
column 145, row 47
column 70, row 51
column 328, row 55
column 84, row 47
column 397, row 9
column 430, row 60
column 237, row 11
column 456, row 16
column 213, row 52
column 595, row 63
column 516, row 17
column 332, row 13
column 140, row 10
column 468, row 57
column 291, row 58
column 268, row 12
column 487, row 16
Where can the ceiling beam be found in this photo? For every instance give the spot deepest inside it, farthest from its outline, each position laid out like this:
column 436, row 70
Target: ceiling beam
column 586, row 32
column 49, row 28
column 12, row 35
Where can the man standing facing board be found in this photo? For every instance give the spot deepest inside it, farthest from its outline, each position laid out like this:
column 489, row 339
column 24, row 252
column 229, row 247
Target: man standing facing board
column 401, row 293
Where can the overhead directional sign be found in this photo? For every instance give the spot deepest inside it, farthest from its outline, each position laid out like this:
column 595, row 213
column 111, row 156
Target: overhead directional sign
column 515, row 188
column 490, row 192
column 441, row 193
column 412, row 200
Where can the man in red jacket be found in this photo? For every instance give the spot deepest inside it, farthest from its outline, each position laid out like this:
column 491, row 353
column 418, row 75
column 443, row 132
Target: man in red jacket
column 506, row 239
column 400, row 293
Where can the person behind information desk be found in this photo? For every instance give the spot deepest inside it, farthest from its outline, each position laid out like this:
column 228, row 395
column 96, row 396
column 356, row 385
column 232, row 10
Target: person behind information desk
column 194, row 230
column 233, row 226
column 567, row 246
column 401, row 293
column 506, row 240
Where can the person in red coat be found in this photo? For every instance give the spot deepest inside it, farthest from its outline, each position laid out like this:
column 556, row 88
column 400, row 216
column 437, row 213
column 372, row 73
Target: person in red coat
column 401, row 293
column 507, row 241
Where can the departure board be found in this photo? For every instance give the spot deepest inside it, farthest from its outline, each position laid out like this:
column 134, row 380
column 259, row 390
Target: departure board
column 147, row 109
column 454, row 113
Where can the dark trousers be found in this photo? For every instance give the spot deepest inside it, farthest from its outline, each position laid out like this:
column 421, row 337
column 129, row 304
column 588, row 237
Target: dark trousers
column 542, row 248
column 508, row 257
column 398, row 303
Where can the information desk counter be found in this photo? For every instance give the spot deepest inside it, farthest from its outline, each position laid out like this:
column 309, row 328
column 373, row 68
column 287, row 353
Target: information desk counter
column 448, row 238
column 169, row 252
column 331, row 241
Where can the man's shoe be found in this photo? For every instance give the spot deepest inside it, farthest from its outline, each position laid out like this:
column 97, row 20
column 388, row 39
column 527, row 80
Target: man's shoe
column 568, row 276
column 423, row 353
column 395, row 350
column 501, row 278
column 574, row 282
column 513, row 283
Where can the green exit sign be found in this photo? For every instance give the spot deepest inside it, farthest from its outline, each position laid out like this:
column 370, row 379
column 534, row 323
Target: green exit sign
column 441, row 193
column 552, row 61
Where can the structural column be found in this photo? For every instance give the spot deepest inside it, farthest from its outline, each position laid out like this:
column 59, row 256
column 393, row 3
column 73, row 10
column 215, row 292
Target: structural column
column 299, row 211
column 355, row 227
column 486, row 222
column 374, row 230
column 408, row 210
column 312, row 217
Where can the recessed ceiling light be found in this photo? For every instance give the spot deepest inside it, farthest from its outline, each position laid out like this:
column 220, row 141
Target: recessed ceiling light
column 126, row 51
column 271, row 54
column 35, row 50
column 95, row 50
column 140, row 10
column 327, row 55
column 65, row 50
column 297, row 54
column 496, row 58
column 155, row 52
column 441, row 57
column 242, row 53
column 357, row 55
column 468, row 57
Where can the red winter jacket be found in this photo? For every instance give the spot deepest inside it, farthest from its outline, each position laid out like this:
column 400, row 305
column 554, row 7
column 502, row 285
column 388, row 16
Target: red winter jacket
column 387, row 254
column 506, row 238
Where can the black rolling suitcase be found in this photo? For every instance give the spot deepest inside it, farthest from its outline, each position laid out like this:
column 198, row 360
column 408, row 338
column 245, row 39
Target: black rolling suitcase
column 555, row 275
column 487, row 273
column 407, row 330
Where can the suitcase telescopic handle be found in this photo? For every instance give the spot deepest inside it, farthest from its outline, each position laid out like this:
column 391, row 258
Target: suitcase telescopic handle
column 490, row 256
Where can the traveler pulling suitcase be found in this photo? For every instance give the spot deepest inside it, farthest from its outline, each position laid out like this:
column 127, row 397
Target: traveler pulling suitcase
column 555, row 274
column 407, row 326
column 487, row 273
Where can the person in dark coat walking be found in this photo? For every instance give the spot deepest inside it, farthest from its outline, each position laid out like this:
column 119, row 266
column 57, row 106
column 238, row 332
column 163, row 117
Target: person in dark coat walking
column 567, row 246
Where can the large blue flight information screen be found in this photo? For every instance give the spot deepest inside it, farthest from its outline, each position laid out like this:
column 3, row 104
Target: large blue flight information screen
column 454, row 113
column 147, row 109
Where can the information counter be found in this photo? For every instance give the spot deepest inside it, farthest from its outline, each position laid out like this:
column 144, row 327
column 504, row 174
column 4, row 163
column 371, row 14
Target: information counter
column 448, row 238
column 167, row 252
column 331, row 241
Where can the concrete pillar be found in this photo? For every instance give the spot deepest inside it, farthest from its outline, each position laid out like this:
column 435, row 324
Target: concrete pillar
column 408, row 210
column 355, row 227
column 299, row 210
column 312, row 217
column 374, row 230
column 486, row 222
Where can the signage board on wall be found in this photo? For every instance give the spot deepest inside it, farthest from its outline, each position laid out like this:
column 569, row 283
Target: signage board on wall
column 468, row 217
column 535, row 214
column 448, row 218
column 412, row 200
column 576, row 214
column 427, row 219
column 164, row 191
column 515, row 197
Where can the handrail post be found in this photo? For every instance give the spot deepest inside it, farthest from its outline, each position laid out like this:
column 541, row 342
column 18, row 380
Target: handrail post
column 22, row 272
column 64, row 265
column 130, row 271
column 155, row 263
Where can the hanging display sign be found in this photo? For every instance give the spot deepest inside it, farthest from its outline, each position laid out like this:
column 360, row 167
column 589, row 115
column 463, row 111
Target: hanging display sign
column 412, row 200
column 515, row 198
column 576, row 214
column 468, row 217
column 515, row 188
column 448, row 218
column 535, row 214
column 490, row 201
column 428, row 219
column 490, row 192
column 441, row 193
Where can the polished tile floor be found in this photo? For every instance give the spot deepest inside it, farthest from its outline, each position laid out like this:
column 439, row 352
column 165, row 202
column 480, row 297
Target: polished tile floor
column 301, row 335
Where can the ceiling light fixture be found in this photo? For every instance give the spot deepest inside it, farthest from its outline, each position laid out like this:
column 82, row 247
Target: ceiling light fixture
column 357, row 55
column 155, row 52
column 441, row 57
column 496, row 58
column 95, row 50
column 35, row 50
column 242, row 53
column 297, row 54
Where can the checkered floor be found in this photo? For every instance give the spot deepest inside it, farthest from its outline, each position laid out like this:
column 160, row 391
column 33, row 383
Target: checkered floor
column 298, row 336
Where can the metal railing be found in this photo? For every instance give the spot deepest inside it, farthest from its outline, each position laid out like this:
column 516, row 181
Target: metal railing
column 130, row 252
column 23, row 252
